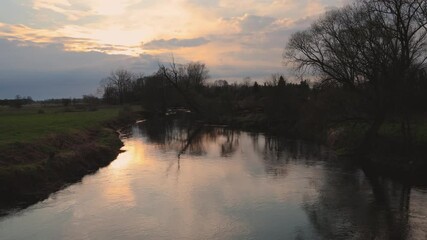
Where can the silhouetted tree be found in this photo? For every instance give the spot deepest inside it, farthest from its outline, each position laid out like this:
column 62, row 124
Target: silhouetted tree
column 281, row 82
column 185, row 79
column 255, row 87
column 118, row 84
column 197, row 73
column 373, row 47
column 246, row 81
column 220, row 83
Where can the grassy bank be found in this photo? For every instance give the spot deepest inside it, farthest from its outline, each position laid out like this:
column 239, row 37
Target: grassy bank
column 41, row 151
column 30, row 123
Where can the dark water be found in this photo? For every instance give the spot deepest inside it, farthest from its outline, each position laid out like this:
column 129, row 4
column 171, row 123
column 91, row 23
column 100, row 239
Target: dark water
column 225, row 185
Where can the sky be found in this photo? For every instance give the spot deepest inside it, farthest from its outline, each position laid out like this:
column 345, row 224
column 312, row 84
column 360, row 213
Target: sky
column 64, row 48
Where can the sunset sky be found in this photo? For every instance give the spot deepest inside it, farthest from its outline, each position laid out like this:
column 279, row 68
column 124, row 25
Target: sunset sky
column 63, row 48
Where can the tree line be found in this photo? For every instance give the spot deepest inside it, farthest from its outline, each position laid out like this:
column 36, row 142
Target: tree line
column 18, row 102
column 274, row 102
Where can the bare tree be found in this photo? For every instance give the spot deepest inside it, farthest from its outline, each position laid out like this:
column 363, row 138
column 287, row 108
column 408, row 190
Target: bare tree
column 273, row 80
column 246, row 81
column 185, row 79
column 119, row 82
column 372, row 47
column 197, row 73
column 171, row 74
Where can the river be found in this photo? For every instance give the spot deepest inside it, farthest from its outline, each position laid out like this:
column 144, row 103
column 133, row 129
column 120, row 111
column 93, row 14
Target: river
column 225, row 184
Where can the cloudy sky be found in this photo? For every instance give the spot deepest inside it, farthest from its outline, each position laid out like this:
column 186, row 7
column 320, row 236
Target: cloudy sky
column 63, row 48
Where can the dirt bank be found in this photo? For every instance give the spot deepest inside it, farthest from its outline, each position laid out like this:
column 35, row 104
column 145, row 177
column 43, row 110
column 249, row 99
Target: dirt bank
column 30, row 172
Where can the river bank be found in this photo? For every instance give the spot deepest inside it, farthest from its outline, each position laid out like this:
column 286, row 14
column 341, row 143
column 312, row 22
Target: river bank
column 31, row 170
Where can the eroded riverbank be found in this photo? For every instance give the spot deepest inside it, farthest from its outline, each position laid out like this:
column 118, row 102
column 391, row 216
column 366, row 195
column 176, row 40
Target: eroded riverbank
column 32, row 171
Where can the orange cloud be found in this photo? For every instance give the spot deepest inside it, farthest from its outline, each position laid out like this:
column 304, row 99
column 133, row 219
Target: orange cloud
column 42, row 37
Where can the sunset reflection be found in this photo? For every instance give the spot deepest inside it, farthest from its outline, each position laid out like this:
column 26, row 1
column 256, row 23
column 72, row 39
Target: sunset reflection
column 120, row 190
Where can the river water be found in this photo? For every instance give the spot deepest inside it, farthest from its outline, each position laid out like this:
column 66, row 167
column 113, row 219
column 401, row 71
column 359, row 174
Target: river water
column 224, row 185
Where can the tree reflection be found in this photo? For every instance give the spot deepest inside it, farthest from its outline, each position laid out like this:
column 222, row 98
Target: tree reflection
column 231, row 144
column 188, row 137
column 278, row 152
column 157, row 131
column 351, row 205
column 193, row 142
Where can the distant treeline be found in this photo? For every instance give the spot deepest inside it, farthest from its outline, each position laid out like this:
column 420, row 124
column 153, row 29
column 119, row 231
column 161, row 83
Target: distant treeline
column 85, row 101
column 66, row 102
column 17, row 102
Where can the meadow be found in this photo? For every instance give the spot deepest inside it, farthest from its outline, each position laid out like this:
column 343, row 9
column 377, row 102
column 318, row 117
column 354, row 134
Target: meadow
column 32, row 122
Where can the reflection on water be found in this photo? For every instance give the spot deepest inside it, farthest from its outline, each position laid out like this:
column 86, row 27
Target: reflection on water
column 180, row 180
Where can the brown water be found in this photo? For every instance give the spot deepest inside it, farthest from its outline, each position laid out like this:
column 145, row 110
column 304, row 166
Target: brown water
column 225, row 185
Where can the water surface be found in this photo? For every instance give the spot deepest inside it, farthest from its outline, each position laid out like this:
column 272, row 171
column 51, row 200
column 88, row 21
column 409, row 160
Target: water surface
column 224, row 185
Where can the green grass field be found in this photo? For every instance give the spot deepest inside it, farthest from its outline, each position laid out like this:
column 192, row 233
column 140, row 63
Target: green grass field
column 27, row 124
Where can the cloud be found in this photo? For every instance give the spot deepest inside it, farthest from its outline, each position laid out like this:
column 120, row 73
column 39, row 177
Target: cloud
column 31, row 36
column 77, row 9
column 49, row 71
column 252, row 23
column 64, row 7
column 175, row 43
